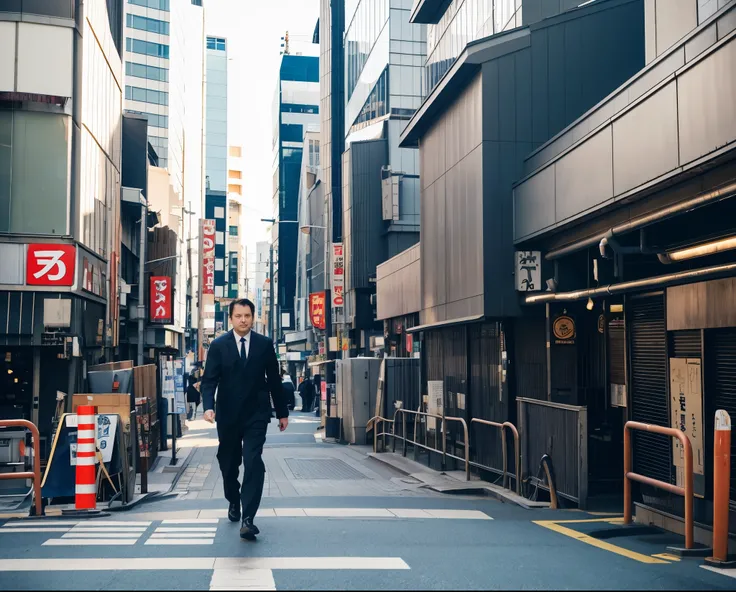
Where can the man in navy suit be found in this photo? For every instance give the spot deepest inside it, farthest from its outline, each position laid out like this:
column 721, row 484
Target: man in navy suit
column 243, row 368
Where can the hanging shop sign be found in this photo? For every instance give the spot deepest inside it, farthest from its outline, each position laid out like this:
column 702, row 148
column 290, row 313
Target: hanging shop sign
column 317, row 310
column 160, row 305
column 338, row 283
column 50, row 264
column 528, row 271
column 563, row 330
column 208, row 256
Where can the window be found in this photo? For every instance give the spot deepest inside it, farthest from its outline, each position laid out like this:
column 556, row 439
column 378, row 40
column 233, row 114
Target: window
column 34, row 183
column 233, row 231
column 216, row 43
column 158, row 50
column 235, row 152
column 235, row 174
column 157, row 120
column 157, row 4
column 146, row 95
column 148, row 72
column 143, row 23
column 235, row 189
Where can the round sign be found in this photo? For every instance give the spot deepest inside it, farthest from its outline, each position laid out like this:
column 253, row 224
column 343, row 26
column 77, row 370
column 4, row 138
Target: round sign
column 339, row 301
column 564, row 327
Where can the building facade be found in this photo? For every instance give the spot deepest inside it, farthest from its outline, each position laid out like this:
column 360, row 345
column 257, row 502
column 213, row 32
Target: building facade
column 60, row 220
column 260, row 291
column 631, row 210
column 216, row 180
column 295, row 111
column 492, row 102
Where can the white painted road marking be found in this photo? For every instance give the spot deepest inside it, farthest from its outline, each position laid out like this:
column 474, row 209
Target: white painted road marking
column 88, row 542
column 99, row 535
column 180, row 541
column 201, row 563
column 184, row 534
column 242, row 579
column 730, row 572
column 404, row 513
column 192, row 521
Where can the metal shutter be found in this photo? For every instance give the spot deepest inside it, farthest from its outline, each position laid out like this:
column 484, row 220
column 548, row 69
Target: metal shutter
column 649, row 388
column 722, row 363
column 685, row 344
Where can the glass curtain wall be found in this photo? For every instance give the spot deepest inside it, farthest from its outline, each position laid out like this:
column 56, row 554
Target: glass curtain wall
column 366, row 21
column 465, row 21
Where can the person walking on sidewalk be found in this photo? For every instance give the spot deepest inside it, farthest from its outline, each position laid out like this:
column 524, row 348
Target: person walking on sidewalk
column 243, row 367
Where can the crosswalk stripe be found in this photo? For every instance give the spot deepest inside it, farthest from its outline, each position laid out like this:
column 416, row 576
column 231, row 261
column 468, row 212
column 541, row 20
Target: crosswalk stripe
column 355, row 513
column 17, row 530
column 107, row 530
column 242, row 579
column 198, row 541
column 187, row 535
column 192, row 521
column 88, row 542
column 201, row 563
column 183, row 529
column 100, row 535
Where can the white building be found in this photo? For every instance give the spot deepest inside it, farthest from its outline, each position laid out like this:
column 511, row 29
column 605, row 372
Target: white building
column 261, row 287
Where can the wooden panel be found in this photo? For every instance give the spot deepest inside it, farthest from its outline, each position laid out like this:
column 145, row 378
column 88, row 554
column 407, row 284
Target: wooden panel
column 706, row 305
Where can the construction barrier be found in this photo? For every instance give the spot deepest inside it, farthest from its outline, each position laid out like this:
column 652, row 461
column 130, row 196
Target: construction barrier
column 86, row 480
column 35, row 476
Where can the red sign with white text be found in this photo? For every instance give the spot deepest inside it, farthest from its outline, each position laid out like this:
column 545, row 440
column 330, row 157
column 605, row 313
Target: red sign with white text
column 317, row 310
column 51, row 265
column 160, row 306
column 208, row 256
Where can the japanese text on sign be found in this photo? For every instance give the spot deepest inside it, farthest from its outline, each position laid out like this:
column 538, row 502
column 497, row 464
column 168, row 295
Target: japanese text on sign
column 208, row 256
column 317, row 310
column 338, row 282
column 50, row 265
column 528, row 271
column 160, row 306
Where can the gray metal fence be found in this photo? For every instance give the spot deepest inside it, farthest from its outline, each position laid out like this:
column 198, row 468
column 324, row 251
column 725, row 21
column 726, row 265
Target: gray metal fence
column 561, row 432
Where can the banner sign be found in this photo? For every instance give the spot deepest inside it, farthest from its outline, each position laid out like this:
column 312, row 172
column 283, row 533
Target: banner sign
column 50, row 264
column 208, row 256
column 160, row 305
column 317, row 310
column 338, row 283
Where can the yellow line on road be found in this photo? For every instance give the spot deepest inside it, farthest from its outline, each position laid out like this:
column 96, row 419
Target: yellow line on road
column 584, row 538
column 667, row 556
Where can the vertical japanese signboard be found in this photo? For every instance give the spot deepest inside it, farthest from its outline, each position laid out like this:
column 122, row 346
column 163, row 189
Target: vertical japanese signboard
column 528, row 271
column 686, row 408
column 208, row 256
column 338, row 283
column 160, row 305
column 317, row 310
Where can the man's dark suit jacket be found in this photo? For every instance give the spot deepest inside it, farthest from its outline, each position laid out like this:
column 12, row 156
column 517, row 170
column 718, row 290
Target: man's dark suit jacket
column 242, row 388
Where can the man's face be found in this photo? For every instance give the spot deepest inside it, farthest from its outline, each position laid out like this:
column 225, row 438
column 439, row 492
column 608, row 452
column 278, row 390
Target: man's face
column 242, row 318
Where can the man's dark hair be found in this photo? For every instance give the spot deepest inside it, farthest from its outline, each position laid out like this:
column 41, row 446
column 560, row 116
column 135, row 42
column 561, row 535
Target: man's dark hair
column 242, row 302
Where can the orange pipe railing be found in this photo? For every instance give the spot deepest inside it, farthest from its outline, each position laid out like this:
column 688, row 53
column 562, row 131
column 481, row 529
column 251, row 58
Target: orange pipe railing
column 629, row 475
column 35, row 476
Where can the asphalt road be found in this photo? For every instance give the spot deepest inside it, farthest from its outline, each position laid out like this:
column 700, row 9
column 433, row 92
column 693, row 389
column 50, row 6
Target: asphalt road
column 394, row 535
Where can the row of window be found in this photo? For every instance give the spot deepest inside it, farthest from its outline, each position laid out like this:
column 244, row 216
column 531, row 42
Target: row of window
column 155, row 97
column 148, row 72
column 157, row 4
column 151, row 25
column 158, row 50
column 216, row 43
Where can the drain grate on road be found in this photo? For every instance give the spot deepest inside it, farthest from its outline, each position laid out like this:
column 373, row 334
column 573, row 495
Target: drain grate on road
column 322, row 468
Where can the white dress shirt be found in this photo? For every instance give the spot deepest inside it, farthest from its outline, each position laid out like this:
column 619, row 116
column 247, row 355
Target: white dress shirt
column 247, row 342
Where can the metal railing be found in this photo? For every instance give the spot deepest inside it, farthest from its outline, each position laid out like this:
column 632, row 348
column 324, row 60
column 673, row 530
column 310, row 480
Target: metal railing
column 629, row 475
column 517, row 452
column 35, row 476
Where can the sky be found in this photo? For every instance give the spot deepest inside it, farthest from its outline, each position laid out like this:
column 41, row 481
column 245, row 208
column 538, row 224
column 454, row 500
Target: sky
column 253, row 30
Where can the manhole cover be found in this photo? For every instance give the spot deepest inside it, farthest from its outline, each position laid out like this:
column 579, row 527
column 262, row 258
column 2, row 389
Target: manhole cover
column 322, row 468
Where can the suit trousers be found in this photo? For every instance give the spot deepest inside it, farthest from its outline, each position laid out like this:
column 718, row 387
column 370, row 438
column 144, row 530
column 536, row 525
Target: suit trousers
column 244, row 442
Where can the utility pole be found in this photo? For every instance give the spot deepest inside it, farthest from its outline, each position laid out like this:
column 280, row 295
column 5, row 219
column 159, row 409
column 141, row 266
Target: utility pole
column 142, row 280
column 270, row 290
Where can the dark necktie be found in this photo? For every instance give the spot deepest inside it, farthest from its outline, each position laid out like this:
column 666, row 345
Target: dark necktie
column 243, row 355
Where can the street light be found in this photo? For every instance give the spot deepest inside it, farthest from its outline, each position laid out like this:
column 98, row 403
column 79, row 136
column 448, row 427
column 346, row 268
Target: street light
column 307, row 229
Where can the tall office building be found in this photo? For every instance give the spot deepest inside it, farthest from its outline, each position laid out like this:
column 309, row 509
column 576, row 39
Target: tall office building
column 61, row 94
column 236, row 264
column 216, row 150
column 164, row 65
column 295, row 111
column 260, row 291
column 383, row 67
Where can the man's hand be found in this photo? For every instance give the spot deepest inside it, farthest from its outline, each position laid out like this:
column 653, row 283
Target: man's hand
column 209, row 415
column 283, row 423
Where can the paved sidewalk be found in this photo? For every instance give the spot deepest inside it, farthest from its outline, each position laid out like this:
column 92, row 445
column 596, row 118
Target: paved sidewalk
column 297, row 465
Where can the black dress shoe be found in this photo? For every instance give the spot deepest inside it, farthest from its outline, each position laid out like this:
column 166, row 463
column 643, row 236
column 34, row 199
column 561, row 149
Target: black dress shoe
column 233, row 512
column 248, row 530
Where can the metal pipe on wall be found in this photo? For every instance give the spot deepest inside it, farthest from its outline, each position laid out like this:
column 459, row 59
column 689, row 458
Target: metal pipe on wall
column 701, row 200
column 659, row 281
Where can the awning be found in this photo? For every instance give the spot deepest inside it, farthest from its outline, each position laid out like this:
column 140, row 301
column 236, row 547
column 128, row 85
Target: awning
column 322, row 363
column 443, row 324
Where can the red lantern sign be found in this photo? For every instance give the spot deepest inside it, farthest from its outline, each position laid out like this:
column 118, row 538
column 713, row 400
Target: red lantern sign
column 317, row 310
column 160, row 305
column 51, row 265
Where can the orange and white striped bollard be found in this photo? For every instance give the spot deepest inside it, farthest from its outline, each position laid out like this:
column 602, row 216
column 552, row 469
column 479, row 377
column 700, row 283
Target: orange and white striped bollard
column 86, row 479
column 721, row 486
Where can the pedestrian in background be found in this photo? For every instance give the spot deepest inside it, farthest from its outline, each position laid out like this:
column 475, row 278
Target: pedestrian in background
column 306, row 390
column 194, row 397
